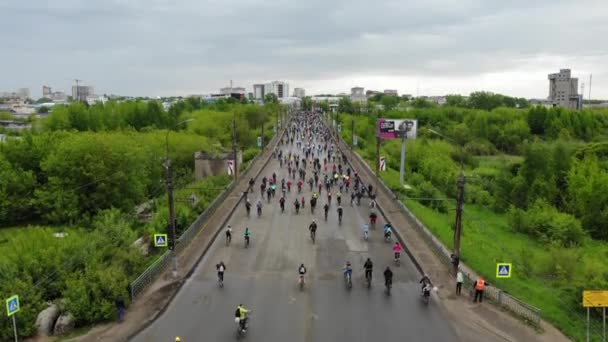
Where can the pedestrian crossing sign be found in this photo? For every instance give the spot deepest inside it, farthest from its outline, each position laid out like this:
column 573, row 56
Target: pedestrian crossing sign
column 503, row 270
column 12, row 305
column 160, row 240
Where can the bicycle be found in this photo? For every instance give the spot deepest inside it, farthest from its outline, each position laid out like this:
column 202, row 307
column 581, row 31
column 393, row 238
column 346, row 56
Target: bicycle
column 348, row 280
column 313, row 236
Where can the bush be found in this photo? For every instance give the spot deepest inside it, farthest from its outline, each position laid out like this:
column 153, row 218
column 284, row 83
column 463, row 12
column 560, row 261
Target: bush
column 545, row 222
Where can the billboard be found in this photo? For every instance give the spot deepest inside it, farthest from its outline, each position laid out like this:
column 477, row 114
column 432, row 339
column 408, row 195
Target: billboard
column 397, row 128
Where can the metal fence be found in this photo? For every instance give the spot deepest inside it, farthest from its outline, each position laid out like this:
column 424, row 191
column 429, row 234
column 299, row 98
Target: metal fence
column 526, row 311
column 162, row 263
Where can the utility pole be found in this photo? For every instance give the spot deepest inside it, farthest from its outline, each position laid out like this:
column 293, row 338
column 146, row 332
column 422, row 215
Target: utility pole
column 172, row 235
column 262, row 138
column 234, row 150
column 377, row 156
column 352, row 130
column 458, row 222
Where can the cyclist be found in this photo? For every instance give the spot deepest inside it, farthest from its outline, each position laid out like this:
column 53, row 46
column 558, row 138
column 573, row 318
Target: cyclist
column 339, row 198
column 425, row 281
column 247, row 235
column 368, row 266
column 372, row 218
column 387, row 231
column 397, row 250
column 297, row 205
column 241, row 313
column 388, row 277
column 289, row 185
column 228, row 234
column 259, row 206
column 282, row 203
column 299, row 185
column 221, row 268
column 302, row 272
column 348, row 270
column 340, row 213
column 313, row 229
column 248, row 206
column 365, row 230
column 326, row 208
column 329, row 196
column 315, row 195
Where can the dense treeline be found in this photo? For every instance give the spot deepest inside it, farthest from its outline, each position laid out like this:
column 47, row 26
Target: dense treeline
column 84, row 169
column 87, row 159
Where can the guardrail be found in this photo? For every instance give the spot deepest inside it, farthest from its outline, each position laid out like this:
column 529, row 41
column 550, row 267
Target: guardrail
column 526, row 311
column 162, row 263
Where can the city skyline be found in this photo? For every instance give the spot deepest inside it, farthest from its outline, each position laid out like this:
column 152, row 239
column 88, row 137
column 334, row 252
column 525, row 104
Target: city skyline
column 160, row 49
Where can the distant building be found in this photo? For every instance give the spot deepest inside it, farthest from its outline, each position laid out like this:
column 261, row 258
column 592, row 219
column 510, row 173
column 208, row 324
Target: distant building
column 299, row 92
column 439, row 100
column 24, row 93
column 279, row 88
column 235, row 90
column 81, row 93
column 357, row 94
column 258, row 91
column 371, row 93
column 563, row 90
column 46, row 91
column 391, row 92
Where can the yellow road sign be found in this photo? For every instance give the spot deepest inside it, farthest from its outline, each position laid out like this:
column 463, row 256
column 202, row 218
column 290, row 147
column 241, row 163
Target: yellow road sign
column 595, row 299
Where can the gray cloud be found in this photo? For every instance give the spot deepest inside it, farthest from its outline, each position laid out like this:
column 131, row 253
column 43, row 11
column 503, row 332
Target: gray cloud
column 156, row 47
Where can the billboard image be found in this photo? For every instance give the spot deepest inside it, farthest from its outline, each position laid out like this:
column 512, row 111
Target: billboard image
column 397, row 128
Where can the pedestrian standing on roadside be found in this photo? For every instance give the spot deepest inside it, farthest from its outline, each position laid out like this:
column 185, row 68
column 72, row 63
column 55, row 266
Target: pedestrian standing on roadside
column 479, row 286
column 120, row 307
column 459, row 280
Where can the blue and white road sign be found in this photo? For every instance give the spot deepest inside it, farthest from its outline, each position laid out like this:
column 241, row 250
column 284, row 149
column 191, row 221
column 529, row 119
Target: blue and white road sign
column 12, row 305
column 503, row 270
column 259, row 141
column 355, row 140
column 160, row 240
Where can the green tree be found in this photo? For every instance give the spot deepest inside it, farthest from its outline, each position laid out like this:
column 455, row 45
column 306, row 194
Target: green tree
column 456, row 101
column 390, row 102
column 271, row 98
column 345, row 105
column 485, row 100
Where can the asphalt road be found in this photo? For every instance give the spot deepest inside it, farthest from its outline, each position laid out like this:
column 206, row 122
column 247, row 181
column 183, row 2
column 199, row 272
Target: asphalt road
column 264, row 277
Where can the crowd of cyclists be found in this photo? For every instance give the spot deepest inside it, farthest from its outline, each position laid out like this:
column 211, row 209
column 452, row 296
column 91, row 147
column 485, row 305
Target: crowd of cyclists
column 318, row 164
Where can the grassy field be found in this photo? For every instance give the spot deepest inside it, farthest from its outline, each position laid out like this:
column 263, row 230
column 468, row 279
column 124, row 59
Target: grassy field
column 536, row 278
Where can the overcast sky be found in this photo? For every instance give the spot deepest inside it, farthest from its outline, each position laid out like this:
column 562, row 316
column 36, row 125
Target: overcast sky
column 180, row 47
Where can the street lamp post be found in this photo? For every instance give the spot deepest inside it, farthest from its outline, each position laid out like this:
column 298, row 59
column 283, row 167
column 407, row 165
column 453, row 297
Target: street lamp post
column 169, row 181
column 459, row 205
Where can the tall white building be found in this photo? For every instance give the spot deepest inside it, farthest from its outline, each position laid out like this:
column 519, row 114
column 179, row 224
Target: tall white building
column 299, row 92
column 279, row 88
column 357, row 94
column 563, row 90
column 258, row 91
column 24, row 93
column 81, row 93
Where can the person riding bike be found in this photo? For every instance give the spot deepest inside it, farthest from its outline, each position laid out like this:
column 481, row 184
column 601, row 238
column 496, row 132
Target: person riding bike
column 340, row 210
column 242, row 313
column 339, row 198
column 228, row 234
column 297, row 205
column 299, row 185
column 221, row 268
column 326, row 209
column 282, row 203
column 372, row 218
column 329, row 197
column 248, row 206
column 368, row 266
column 247, row 235
column 302, row 272
column 388, row 229
column 365, row 230
column 313, row 229
column 397, row 250
column 348, row 270
column 259, row 206
column 425, row 281
column 388, row 276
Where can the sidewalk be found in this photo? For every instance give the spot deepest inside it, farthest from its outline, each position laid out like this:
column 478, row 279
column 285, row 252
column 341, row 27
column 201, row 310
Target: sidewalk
column 472, row 322
column 152, row 303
